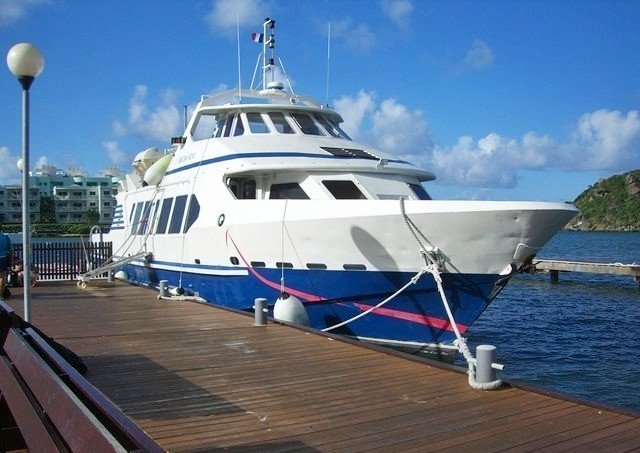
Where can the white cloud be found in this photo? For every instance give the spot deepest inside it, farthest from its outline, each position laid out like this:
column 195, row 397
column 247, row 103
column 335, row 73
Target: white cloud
column 397, row 128
column 599, row 141
column 224, row 13
column 479, row 56
column 354, row 110
column 604, row 140
column 160, row 123
column 398, row 11
column 116, row 156
column 11, row 11
column 9, row 173
column 357, row 37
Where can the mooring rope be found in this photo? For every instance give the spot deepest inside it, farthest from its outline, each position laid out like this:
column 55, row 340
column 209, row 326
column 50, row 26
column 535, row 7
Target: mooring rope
column 413, row 281
column 461, row 342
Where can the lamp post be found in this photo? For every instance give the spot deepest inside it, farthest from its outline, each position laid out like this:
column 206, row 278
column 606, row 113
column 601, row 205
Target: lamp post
column 26, row 63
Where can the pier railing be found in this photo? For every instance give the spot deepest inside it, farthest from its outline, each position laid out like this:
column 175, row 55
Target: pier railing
column 65, row 260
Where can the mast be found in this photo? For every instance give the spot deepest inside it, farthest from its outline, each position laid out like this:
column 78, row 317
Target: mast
column 268, row 65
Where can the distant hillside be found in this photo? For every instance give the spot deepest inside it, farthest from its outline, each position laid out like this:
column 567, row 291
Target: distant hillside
column 612, row 204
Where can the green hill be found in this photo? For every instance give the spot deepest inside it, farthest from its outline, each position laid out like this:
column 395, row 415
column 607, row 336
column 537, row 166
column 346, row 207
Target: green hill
column 612, row 204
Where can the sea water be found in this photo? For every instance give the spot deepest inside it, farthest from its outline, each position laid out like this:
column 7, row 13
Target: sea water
column 581, row 336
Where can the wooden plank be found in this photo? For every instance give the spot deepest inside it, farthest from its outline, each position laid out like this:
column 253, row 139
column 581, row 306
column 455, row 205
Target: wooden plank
column 197, row 377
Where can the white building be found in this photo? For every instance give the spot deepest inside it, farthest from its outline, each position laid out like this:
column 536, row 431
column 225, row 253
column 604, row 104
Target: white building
column 73, row 193
column 11, row 204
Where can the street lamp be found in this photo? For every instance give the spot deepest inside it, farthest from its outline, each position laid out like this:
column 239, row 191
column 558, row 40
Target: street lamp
column 26, row 63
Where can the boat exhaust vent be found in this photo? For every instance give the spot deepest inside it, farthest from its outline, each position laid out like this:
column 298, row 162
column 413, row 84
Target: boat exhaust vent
column 350, row 152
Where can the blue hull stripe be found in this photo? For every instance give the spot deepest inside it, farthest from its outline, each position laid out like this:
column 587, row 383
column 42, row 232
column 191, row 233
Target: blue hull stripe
column 344, row 295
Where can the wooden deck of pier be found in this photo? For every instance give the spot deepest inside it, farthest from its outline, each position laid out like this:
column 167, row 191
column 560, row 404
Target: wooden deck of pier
column 200, row 378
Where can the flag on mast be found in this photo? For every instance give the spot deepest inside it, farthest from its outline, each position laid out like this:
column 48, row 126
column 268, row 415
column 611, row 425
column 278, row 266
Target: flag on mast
column 257, row 37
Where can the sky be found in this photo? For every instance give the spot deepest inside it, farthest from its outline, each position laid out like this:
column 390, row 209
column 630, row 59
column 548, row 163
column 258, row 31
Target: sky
column 522, row 100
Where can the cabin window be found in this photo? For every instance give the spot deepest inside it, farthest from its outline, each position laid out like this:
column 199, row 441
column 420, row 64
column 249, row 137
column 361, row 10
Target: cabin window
column 154, row 208
column 306, row 124
column 287, row 191
column 164, row 216
column 207, row 127
column 136, row 218
column 327, row 125
column 419, row 191
column 178, row 214
column 280, row 122
column 239, row 127
column 192, row 213
column 228, row 126
column 242, row 189
column 219, row 126
column 256, row 123
column 344, row 190
column 144, row 219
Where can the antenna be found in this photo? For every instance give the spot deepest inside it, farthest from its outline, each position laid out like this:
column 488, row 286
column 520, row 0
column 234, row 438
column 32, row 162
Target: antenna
column 328, row 60
column 238, row 41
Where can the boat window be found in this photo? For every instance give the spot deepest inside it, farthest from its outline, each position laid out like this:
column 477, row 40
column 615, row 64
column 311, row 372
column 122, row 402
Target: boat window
column 306, row 123
column 287, row 191
column 136, row 218
column 281, row 123
column 344, row 190
column 164, row 216
column 256, row 123
column 192, row 213
column 327, row 125
column 220, row 126
column 228, row 125
column 206, row 127
column 154, row 207
column 178, row 213
column 133, row 209
column 142, row 225
column 242, row 189
column 343, row 134
column 419, row 191
column 239, row 127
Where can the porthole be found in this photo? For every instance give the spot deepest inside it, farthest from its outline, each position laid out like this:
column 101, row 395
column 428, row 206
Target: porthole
column 354, row 267
column 221, row 220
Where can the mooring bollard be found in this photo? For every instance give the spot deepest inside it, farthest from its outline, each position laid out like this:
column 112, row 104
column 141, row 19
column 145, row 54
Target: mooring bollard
column 260, row 309
column 110, row 276
column 485, row 366
column 163, row 286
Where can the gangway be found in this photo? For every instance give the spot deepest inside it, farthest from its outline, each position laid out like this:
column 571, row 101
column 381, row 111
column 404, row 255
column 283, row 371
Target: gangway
column 107, row 266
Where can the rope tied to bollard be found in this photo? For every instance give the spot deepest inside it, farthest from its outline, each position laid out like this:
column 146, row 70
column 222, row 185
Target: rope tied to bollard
column 432, row 262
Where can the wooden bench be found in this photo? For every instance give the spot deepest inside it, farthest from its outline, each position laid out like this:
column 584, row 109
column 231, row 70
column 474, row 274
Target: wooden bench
column 48, row 406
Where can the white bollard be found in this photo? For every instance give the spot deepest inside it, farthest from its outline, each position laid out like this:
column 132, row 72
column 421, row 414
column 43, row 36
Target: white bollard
column 485, row 356
column 260, row 309
column 163, row 287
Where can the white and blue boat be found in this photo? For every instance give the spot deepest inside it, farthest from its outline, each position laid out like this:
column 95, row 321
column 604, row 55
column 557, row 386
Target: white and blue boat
column 265, row 194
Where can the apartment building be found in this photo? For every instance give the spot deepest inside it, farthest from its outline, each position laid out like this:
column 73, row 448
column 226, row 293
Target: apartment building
column 73, row 195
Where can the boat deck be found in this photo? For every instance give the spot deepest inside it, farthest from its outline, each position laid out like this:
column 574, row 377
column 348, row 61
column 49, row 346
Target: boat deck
column 201, row 378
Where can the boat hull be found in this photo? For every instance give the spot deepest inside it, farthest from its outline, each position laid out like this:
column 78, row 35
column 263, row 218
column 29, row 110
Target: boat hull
column 414, row 319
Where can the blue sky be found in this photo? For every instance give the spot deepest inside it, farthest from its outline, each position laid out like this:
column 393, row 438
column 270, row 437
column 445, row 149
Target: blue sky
column 501, row 99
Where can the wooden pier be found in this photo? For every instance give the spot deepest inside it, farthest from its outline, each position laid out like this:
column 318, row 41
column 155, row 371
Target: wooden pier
column 554, row 267
column 199, row 378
